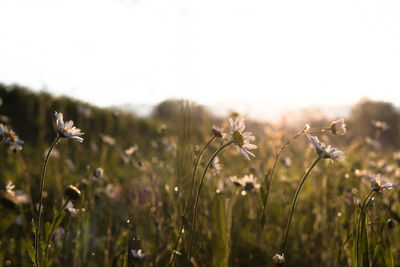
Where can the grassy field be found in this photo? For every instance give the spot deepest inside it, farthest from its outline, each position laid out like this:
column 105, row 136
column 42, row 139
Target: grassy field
column 133, row 188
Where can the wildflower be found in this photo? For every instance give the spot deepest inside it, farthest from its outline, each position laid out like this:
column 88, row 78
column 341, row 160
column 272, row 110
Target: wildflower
column 98, row 173
column 380, row 125
column 279, row 259
column 12, row 199
column 130, row 151
column 338, row 127
column 242, row 139
column 71, row 210
column 215, row 165
column 250, row 182
column 237, row 182
column 324, row 152
column 67, row 130
column 108, row 140
column 72, row 192
column 137, row 254
column 380, row 184
column 218, row 132
column 9, row 137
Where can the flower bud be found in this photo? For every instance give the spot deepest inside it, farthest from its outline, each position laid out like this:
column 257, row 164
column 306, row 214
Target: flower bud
column 338, row 127
column 72, row 192
column 279, row 259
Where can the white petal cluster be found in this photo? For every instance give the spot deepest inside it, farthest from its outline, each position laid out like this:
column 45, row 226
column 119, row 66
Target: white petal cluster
column 242, row 139
column 9, row 137
column 67, row 129
column 380, row 184
column 323, row 151
column 279, row 259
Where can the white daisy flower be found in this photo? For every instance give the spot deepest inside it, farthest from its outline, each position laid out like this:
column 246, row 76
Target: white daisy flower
column 250, row 182
column 9, row 137
column 242, row 139
column 237, row 182
column 380, row 184
column 215, row 165
column 279, row 259
column 137, row 254
column 67, row 129
column 338, row 127
column 324, row 152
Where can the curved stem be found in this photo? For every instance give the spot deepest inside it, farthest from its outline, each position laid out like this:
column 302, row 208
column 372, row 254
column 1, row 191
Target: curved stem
column 42, row 177
column 52, row 228
column 294, row 202
column 187, row 202
column 271, row 173
column 369, row 196
column 198, row 194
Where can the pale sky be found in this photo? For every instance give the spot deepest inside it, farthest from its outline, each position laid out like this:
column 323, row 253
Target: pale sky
column 251, row 55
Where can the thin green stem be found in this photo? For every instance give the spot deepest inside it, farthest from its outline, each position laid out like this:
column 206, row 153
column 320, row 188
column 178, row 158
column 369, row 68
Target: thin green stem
column 271, row 173
column 52, row 228
column 369, row 196
column 283, row 247
column 198, row 194
column 42, row 177
column 187, row 202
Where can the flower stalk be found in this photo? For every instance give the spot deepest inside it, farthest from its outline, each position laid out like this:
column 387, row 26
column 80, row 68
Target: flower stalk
column 283, row 246
column 278, row 156
column 42, row 178
column 198, row 195
column 187, row 202
column 363, row 207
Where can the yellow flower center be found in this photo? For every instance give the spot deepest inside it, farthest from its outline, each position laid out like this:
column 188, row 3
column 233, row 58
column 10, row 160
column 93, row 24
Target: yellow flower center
column 238, row 138
column 377, row 186
column 10, row 136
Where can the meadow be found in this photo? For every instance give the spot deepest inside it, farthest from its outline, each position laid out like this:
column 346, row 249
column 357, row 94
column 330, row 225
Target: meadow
column 183, row 188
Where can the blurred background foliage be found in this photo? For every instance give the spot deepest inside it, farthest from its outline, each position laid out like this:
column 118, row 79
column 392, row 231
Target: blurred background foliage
column 148, row 163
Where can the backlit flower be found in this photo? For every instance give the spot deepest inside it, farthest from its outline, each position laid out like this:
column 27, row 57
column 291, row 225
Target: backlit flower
column 250, row 182
column 242, row 139
column 324, row 152
column 279, row 259
column 338, row 127
column 218, row 132
column 215, row 165
column 9, row 137
column 137, row 254
column 380, row 184
column 67, row 129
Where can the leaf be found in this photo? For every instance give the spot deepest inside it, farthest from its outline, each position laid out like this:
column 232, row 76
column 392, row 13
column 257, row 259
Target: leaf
column 354, row 248
column 46, row 230
column 364, row 241
column 53, row 255
column 34, row 228
column 388, row 252
column 377, row 251
column 31, row 251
